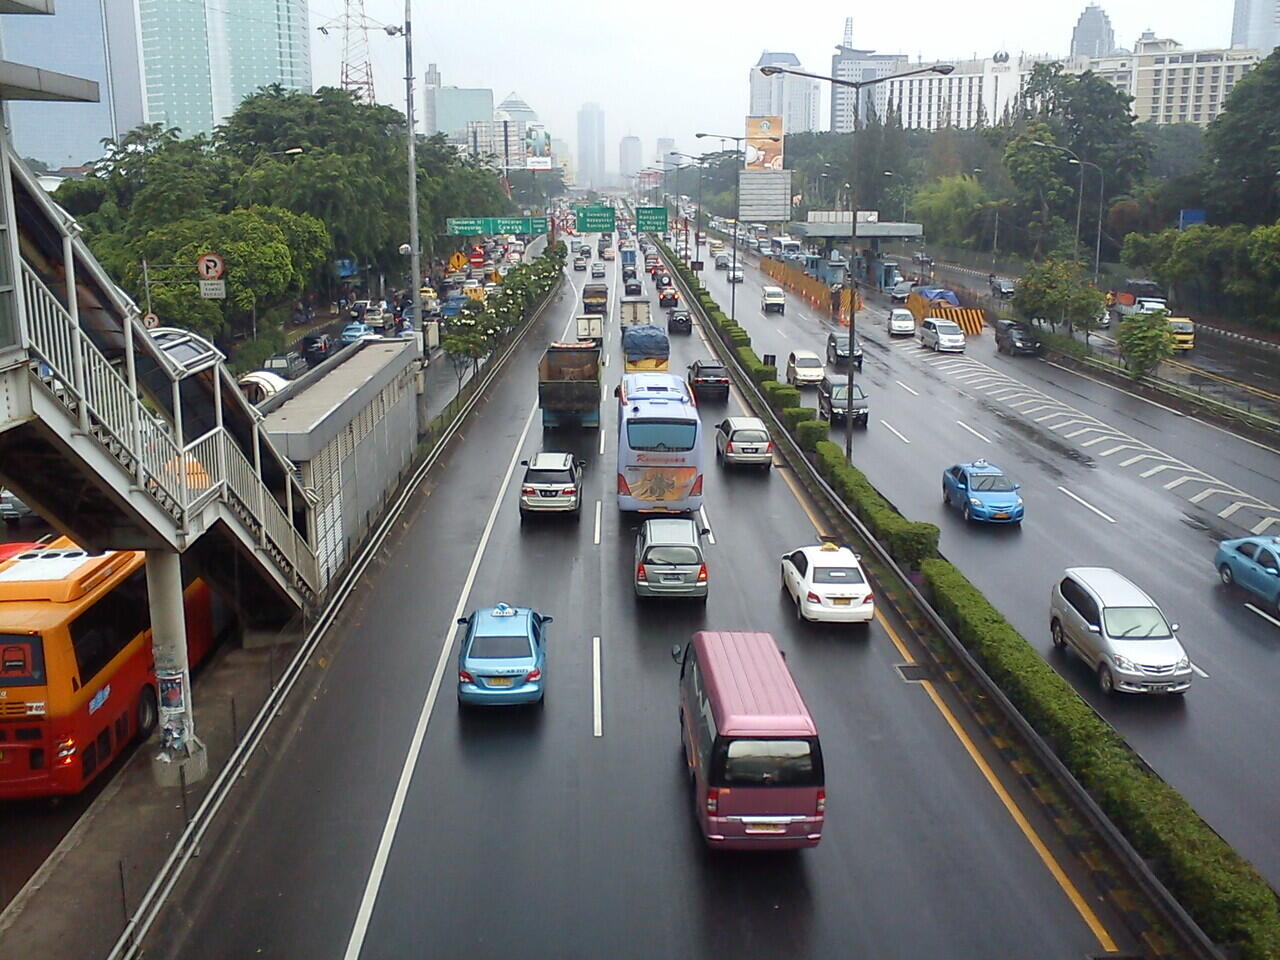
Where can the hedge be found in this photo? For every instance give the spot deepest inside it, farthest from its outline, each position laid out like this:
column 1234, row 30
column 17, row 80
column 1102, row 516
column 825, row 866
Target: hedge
column 794, row 416
column 759, row 372
column 781, row 395
column 810, row 432
column 1231, row 902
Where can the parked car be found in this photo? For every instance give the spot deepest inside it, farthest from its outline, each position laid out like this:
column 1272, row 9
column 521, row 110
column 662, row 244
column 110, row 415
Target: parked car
column 941, row 335
column 1254, row 564
column 1016, row 338
column 12, row 510
column 901, row 321
column 826, row 582
column 838, row 350
column 707, row 377
column 502, row 659
column 679, row 321
column 833, row 402
column 289, row 365
column 669, row 560
column 744, row 440
column 552, row 483
column 1118, row 631
column 982, row 492
column 804, row 367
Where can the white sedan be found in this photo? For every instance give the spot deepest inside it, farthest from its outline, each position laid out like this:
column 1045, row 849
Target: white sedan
column 826, row 583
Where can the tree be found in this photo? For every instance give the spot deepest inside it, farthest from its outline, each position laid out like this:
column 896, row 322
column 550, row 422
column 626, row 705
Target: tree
column 947, row 208
column 1176, row 149
column 1057, row 291
column 1243, row 149
column 1144, row 340
column 1039, row 190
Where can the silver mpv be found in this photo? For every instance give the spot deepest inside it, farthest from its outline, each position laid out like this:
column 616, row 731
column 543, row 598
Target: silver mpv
column 669, row 559
column 1118, row 631
column 744, row 440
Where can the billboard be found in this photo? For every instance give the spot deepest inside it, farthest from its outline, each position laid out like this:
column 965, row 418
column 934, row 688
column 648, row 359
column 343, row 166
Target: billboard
column 537, row 147
column 761, row 152
column 764, row 195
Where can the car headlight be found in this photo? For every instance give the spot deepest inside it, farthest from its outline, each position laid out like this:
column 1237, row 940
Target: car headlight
column 974, row 501
column 1184, row 664
column 1017, row 502
column 1124, row 663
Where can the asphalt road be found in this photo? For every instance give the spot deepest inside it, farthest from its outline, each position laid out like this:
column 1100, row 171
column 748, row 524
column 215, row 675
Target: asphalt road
column 1148, row 493
column 523, row 833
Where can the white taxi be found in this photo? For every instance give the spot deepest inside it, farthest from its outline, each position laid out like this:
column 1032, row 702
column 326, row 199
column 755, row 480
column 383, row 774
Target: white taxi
column 827, row 583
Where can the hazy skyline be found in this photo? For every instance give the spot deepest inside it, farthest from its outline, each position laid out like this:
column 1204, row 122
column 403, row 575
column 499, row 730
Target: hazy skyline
column 678, row 69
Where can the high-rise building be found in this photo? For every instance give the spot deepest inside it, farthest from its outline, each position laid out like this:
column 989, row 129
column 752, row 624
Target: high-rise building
column 977, row 91
column 500, row 143
column 562, row 157
column 1093, row 36
column 848, row 63
column 630, row 152
column 430, row 84
column 666, row 145
column 94, row 39
column 795, row 99
column 1256, row 25
column 591, row 170
column 455, row 107
column 516, row 109
column 202, row 57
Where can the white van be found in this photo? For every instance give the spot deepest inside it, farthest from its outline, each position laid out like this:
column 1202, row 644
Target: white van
column 772, row 298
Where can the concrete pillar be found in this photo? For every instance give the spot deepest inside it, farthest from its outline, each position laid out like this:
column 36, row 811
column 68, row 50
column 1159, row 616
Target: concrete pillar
column 182, row 755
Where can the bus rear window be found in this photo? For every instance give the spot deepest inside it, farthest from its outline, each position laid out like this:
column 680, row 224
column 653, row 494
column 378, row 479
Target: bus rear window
column 21, row 661
column 787, row 762
column 662, row 434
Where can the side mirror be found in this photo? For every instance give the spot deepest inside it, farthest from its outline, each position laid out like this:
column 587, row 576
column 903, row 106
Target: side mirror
column 676, row 651
column 1017, row 486
column 1174, row 627
column 1094, row 628
column 463, row 621
column 524, row 463
column 547, row 620
column 704, row 531
column 1273, row 571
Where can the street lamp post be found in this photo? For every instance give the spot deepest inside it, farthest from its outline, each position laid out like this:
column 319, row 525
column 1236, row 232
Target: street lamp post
column 697, row 229
column 1102, row 192
column 856, row 85
column 415, row 248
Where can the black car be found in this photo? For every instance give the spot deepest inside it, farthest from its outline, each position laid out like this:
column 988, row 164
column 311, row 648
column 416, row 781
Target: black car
column 679, row 321
column 632, row 288
column 663, row 280
column 833, row 402
column 838, row 350
column 317, row 347
column 1001, row 287
column 1014, row 338
column 706, row 377
column 628, row 273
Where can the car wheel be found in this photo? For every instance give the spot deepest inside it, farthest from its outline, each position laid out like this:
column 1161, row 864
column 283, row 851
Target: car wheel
column 147, row 713
column 1106, row 682
column 1055, row 632
column 966, row 513
column 1225, row 573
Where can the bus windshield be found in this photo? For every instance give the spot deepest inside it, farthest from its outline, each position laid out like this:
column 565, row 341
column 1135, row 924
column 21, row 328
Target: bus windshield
column 671, row 435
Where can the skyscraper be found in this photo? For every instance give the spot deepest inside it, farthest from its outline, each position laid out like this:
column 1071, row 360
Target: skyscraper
column 591, row 146
column 1256, row 25
column 430, row 84
column 794, row 99
column 202, row 57
column 1093, row 36
column 848, row 63
column 630, row 151
column 516, row 109
column 95, row 39
column 665, row 146
column 455, row 107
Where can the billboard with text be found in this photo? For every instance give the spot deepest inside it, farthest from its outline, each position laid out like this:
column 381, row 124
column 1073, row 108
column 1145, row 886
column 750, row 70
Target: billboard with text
column 537, row 143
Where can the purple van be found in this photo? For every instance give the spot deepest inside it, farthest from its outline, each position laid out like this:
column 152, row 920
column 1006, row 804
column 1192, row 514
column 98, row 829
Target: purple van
column 750, row 745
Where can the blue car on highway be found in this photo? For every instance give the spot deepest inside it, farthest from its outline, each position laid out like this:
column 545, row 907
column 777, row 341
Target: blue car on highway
column 1253, row 563
column 502, row 658
column 354, row 331
column 982, row 492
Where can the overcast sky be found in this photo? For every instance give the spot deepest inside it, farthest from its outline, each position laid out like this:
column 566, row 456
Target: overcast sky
column 667, row 68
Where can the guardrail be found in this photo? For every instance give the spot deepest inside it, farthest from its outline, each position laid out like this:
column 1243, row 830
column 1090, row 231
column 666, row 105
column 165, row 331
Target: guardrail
column 1180, row 923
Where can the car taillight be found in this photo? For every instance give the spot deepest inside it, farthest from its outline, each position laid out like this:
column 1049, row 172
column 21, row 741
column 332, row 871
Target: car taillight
column 713, row 799
column 813, row 597
column 569, row 491
column 822, row 802
column 728, row 447
column 65, row 751
column 640, row 574
column 464, row 677
column 768, row 447
column 623, row 489
column 868, row 598
column 697, row 487
column 534, row 674
column 702, row 573
column 528, row 491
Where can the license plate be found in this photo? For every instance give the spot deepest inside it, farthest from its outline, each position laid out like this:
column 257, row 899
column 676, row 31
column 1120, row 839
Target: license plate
column 842, row 601
column 672, row 578
column 750, row 450
column 1159, row 687
column 1000, row 516
column 499, row 681
column 766, row 828
column 548, row 493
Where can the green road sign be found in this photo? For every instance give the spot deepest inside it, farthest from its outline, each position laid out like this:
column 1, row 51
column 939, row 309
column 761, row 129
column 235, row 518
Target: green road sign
column 651, row 219
column 489, row 226
column 596, row 219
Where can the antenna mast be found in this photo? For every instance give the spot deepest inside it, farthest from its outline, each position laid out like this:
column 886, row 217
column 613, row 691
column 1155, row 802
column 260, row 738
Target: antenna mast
column 357, row 71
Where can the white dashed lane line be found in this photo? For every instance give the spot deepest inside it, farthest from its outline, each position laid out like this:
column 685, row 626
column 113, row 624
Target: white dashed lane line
column 973, row 431
column 1087, row 505
column 888, row 426
column 1263, row 614
column 906, row 388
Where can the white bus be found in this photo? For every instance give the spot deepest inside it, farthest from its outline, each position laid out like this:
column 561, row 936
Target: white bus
column 659, row 445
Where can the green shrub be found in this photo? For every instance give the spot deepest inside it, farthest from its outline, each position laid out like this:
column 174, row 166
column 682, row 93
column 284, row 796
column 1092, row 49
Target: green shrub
column 768, row 371
column 770, row 388
column 913, row 541
column 739, row 337
column 792, row 416
column 784, row 396
column 810, row 432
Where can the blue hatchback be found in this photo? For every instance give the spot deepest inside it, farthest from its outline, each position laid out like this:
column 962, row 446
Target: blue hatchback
column 982, row 492
column 1253, row 563
column 354, row 331
column 503, row 657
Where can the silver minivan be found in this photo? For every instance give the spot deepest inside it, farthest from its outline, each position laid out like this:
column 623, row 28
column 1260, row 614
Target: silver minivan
column 669, row 559
column 938, row 334
column 744, row 440
column 1118, row 631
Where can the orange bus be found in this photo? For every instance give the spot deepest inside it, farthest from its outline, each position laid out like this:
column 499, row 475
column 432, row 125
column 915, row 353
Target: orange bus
column 77, row 677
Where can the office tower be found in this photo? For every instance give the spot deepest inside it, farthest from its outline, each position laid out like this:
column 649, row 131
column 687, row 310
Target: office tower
column 1093, row 36
column 200, row 58
column 94, row 39
column 516, row 109
column 591, row 146
column 795, row 99
column 665, row 146
column 630, row 152
column 1256, row 25
column 848, row 63
column 430, row 84
column 455, row 107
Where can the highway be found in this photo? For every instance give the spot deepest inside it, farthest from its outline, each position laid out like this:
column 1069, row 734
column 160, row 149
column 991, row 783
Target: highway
column 382, row 822
column 1109, row 478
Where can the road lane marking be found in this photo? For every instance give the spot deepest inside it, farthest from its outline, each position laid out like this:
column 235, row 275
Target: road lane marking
column 1086, row 504
column 973, row 431
column 711, row 537
column 597, row 537
column 889, row 427
column 1263, row 614
column 376, row 871
column 1200, row 673
column 606, row 358
column 597, row 716
column 906, row 388
column 602, row 440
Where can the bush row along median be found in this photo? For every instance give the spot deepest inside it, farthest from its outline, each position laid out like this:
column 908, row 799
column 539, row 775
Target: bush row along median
column 1230, row 901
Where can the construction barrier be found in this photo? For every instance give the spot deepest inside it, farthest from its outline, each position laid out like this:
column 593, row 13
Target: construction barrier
column 817, row 293
column 970, row 319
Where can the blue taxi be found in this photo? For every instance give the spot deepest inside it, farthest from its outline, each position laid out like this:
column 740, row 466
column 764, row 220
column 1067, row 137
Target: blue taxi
column 502, row 658
column 982, row 492
column 1252, row 563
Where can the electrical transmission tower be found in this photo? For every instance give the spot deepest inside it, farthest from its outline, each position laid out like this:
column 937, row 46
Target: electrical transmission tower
column 357, row 72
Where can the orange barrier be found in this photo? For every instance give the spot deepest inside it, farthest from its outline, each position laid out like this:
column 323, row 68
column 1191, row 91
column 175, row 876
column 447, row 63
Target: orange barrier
column 817, row 293
column 970, row 319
